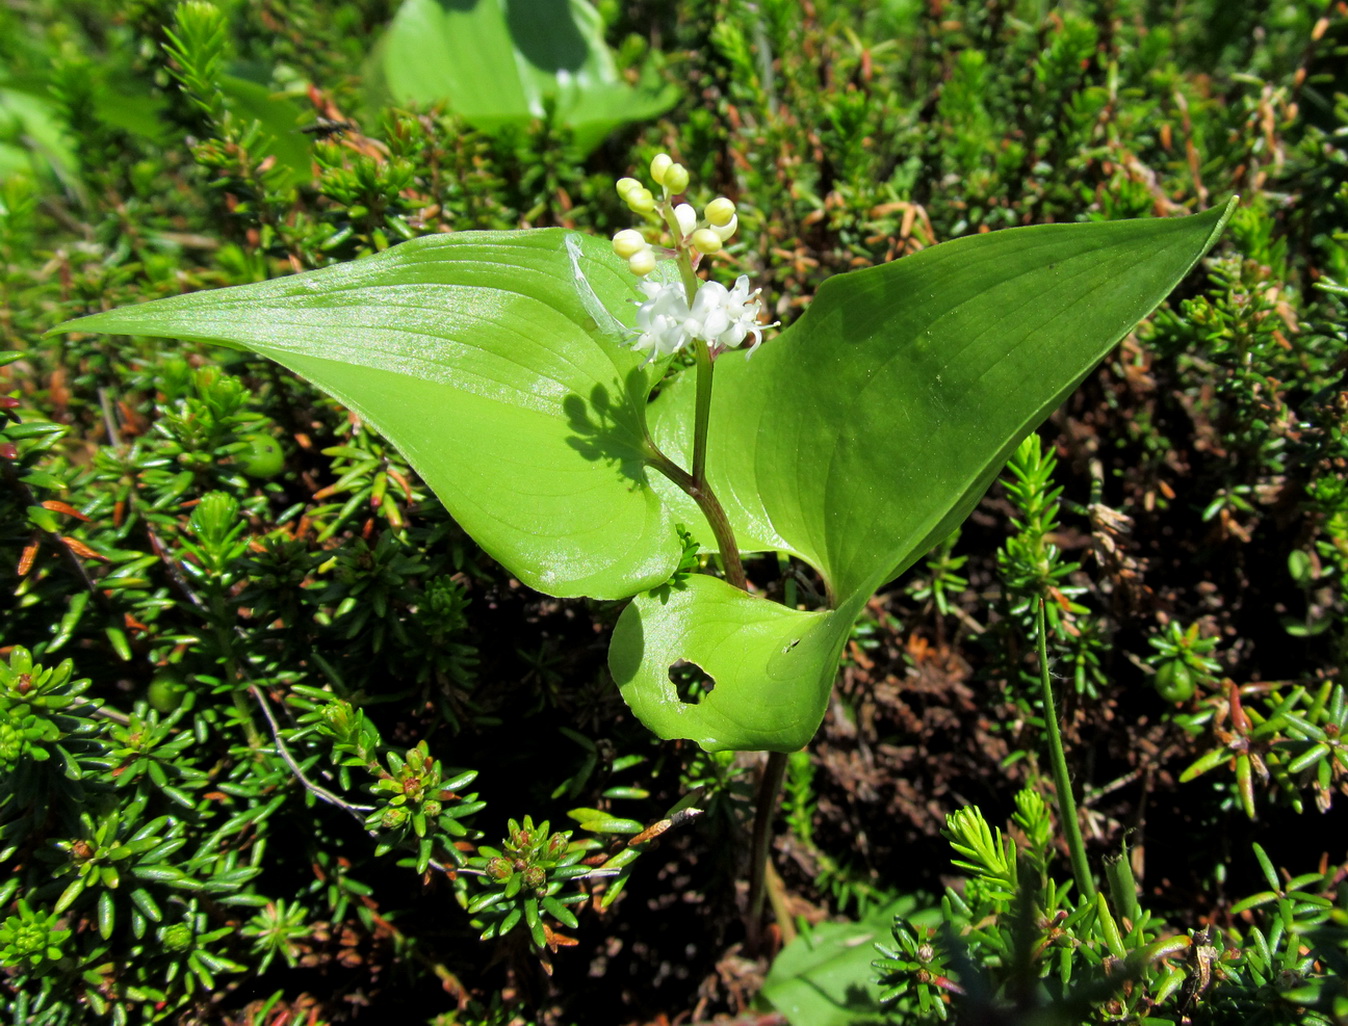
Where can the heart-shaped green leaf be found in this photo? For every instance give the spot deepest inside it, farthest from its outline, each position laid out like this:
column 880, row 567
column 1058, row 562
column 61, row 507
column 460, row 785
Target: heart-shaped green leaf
column 868, row 431
column 501, row 64
column 759, row 646
column 479, row 356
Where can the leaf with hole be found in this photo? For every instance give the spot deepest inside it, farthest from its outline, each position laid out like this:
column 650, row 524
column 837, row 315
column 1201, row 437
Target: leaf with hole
column 854, row 442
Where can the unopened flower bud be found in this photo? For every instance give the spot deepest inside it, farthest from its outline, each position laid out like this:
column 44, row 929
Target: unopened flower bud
column 687, row 218
column 640, row 200
column 660, row 164
column 720, row 212
column 705, row 240
column 500, row 869
column 393, row 818
column 629, row 242
column 626, row 185
column 535, row 876
column 676, row 179
column 643, row 263
column 728, row 229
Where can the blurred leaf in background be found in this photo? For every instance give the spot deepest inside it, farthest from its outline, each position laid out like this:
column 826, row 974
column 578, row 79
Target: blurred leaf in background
column 503, row 63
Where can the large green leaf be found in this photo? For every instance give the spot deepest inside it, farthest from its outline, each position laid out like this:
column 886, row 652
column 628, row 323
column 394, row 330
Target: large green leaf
column 477, row 354
column 500, row 63
column 824, row 976
column 856, row 440
column 868, row 431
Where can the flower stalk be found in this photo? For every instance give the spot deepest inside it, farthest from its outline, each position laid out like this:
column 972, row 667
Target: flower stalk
column 690, row 312
column 712, row 319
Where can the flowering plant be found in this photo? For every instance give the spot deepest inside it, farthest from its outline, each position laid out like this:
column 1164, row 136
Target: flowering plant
column 516, row 371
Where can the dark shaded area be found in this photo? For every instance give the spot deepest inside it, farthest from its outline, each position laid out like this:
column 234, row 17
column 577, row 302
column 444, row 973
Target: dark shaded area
column 545, row 32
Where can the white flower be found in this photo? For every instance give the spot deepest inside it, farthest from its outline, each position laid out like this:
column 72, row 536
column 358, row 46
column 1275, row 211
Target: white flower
column 723, row 318
column 727, row 317
column 663, row 324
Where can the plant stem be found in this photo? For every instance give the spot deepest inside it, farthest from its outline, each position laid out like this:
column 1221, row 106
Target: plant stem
column 769, row 786
column 711, row 509
column 1067, row 806
column 703, row 415
column 696, row 485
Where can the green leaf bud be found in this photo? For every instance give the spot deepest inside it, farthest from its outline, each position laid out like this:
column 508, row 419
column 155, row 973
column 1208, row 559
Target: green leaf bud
column 557, row 845
column 177, row 937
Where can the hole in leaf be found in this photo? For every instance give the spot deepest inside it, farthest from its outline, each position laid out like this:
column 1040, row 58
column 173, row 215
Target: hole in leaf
column 690, row 681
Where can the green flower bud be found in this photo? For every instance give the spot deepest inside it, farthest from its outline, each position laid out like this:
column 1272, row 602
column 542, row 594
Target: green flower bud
column 500, row 869
column 676, row 179
column 629, row 242
column 660, row 165
column 719, row 212
column 706, row 241
column 642, row 263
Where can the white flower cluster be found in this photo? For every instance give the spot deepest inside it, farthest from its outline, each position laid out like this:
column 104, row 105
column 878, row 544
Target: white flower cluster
column 723, row 318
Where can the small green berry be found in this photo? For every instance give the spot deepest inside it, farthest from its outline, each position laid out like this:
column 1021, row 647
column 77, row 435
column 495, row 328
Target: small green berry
column 263, row 456
column 1174, row 681
column 166, row 691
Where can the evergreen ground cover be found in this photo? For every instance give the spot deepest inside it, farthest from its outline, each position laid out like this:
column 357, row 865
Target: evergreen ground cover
column 281, row 744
